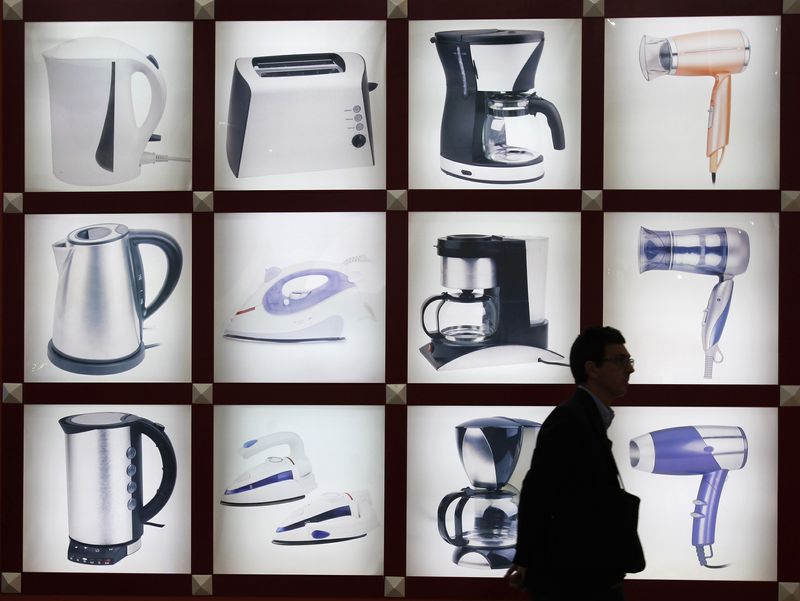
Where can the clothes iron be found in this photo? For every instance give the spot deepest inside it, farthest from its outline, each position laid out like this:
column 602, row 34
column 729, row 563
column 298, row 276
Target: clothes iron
column 331, row 518
column 306, row 302
column 278, row 479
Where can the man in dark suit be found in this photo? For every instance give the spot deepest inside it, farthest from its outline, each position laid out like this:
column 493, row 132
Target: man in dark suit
column 569, row 546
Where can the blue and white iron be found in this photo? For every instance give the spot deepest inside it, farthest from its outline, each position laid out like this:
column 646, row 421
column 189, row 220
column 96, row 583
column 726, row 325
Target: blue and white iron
column 723, row 252
column 277, row 479
column 307, row 302
column 330, row 518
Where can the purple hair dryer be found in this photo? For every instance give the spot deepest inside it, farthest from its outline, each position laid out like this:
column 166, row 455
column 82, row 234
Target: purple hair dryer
column 723, row 252
column 710, row 451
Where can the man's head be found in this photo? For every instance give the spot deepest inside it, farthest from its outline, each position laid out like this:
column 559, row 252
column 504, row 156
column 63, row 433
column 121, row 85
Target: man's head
column 599, row 360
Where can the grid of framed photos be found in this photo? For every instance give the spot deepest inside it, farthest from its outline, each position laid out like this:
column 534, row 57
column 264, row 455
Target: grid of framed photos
column 242, row 318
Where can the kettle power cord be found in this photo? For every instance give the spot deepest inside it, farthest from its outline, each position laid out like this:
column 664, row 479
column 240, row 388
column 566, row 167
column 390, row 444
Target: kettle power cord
column 148, row 158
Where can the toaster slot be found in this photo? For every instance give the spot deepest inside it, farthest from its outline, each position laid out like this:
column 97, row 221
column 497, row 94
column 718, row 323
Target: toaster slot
column 294, row 65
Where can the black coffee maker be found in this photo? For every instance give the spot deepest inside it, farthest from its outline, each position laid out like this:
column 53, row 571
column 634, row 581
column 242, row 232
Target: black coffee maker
column 499, row 302
column 490, row 77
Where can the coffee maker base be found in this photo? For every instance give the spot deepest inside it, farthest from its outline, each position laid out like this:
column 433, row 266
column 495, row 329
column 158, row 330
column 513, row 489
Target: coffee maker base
column 504, row 354
column 487, row 174
column 494, row 559
column 100, row 555
column 94, row 368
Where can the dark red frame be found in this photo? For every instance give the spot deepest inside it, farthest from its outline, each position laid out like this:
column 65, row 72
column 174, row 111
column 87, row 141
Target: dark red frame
column 172, row 586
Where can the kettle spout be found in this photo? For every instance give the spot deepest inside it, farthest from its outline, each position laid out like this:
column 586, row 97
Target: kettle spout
column 60, row 254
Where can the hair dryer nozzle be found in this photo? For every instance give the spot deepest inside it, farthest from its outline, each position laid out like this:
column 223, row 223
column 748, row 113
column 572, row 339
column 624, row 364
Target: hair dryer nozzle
column 656, row 57
column 655, row 249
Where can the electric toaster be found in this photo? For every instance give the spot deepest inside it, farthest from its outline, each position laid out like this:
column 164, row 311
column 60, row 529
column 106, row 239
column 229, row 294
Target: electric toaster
column 299, row 112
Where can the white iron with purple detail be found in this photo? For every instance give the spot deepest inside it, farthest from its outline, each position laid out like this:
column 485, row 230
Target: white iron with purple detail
column 330, row 518
column 278, row 479
column 307, row 302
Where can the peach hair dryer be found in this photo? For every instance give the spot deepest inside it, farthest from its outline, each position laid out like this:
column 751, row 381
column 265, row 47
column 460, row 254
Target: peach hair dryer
column 715, row 53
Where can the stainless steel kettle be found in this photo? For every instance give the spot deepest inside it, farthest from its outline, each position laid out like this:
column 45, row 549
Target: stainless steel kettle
column 100, row 298
column 106, row 511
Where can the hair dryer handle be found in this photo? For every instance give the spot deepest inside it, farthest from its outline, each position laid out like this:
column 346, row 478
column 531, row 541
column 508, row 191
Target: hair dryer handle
column 704, row 517
column 549, row 110
column 463, row 496
column 437, row 335
column 719, row 114
column 158, row 94
column 155, row 432
column 714, row 318
column 253, row 447
column 170, row 246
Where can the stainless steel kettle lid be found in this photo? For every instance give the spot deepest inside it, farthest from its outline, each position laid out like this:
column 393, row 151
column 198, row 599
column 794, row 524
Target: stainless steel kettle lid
column 84, row 422
column 100, row 233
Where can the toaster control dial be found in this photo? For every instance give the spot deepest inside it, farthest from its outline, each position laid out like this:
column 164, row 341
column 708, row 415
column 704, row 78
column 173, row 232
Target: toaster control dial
column 359, row 140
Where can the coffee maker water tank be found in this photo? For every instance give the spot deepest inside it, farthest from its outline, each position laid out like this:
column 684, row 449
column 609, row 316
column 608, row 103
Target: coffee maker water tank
column 491, row 449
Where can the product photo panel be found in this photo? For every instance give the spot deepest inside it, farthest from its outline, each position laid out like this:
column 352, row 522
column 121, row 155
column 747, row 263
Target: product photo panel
column 492, row 297
column 708, row 483
column 108, row 106
column 298, row 489
column 490, row 106
column 465, row 472
column 669, row 283
column 692, row 103
column 108, row 298
column 107, row 488
column 299, row 297
column 300, row 105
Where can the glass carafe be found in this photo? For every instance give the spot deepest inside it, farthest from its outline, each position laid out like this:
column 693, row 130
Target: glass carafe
column 468, row 317
column 508, row 130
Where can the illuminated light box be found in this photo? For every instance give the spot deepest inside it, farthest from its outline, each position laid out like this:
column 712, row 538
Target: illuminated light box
column 298, row 490
column 666, row 124
column 695, row 295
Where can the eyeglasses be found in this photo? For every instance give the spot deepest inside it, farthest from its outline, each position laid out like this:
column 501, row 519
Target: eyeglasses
column 621, row 360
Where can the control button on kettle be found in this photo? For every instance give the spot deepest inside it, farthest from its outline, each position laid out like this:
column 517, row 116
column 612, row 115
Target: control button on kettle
column 359, row 126
column 130, row 453
column 356, row 109
column 359, row 140
column 131, row 504
column 358, row 117
column 131, row 487
column 131, row 470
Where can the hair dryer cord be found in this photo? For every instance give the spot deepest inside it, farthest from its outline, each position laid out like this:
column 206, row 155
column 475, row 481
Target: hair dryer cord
column 702, row 557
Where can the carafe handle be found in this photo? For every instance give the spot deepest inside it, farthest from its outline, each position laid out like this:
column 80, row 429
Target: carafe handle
column 155, row 432
column 458, row 540
column 549, row 110
column 172, row 250
column 437, row 335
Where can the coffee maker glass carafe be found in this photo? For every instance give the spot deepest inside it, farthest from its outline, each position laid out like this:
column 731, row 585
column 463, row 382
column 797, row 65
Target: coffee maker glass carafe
column 507, row 133
column 465, row 317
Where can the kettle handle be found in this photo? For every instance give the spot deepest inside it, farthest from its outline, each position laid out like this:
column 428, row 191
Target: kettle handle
column 158, row 94
column 437, row 335
column 170, row 246
column 458, row 540
column 549, row 110
column 155, row 432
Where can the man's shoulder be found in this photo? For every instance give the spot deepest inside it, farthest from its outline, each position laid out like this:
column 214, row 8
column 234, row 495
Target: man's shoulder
column 573, row 410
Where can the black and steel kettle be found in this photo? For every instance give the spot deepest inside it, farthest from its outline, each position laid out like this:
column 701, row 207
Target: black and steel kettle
column 107, row 512
column 100, row 298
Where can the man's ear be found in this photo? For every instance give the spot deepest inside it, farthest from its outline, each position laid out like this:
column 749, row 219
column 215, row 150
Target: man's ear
column 591, row 369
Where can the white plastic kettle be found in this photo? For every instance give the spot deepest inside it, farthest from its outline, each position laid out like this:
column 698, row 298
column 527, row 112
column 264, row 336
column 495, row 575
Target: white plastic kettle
column 93, row 127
